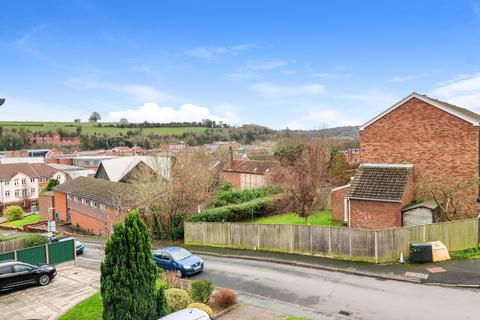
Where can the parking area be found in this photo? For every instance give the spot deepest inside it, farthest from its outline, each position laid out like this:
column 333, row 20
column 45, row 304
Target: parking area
column 71, row 286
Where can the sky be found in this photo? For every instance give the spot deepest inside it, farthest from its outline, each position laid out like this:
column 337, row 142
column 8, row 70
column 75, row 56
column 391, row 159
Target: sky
column 296, row 64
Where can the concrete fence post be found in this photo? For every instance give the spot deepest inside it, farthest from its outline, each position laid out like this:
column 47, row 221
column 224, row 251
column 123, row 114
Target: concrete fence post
column 47, row 255
column 15, row 257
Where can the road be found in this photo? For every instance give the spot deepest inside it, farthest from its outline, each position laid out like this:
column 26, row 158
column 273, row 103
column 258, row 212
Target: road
column 318, row 294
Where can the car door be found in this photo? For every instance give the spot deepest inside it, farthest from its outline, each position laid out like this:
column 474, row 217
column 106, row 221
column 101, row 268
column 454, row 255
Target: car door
column 168, row 260
column 24, row 274
column 158, row 258
column 6, row 277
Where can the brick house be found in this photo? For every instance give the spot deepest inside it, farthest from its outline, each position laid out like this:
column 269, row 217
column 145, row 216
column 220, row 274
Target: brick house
column 21, row 183
column 440, row 141
column 93, row 204
column 247, row 174
column 54, row 138
column 353, row 157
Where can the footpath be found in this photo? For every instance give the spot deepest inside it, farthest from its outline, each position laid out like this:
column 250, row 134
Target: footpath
column 455, row 273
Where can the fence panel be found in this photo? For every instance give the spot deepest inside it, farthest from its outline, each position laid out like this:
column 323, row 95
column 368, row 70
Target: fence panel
column 340, row 242
column 61, row 251
column 302, row 238
column 11, row 245
column 7, row 256
column 321, row 240
column 275, row 237
column 243, row 235
column 33, row 255
column 362, row 244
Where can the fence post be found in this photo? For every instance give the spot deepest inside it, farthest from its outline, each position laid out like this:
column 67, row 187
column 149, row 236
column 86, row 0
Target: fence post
column 330, row 241
column 47, row 256
column 424, row 233
column 310, row 229
column 15, row 255
column 292, row 240
column 74, row 252
column 376, row 246
column 258, row 237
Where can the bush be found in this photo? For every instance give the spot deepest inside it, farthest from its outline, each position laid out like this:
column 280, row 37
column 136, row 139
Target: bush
column 177, row 299
column 224, row 297
column 51, row 184
column 172, row 280
column 238, row 212
column 33, row 240
column 13, row 213
column 202, row 307
column 201, row 290
column 226, row 196
column 160, row 297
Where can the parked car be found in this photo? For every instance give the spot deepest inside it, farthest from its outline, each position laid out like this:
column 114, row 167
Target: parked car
column 14, row 274
column 79, row 247
column 179, row 260
column 187, row 314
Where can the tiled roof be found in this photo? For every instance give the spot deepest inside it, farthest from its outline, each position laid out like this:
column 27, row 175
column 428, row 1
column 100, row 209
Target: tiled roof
column 116, row 194
column 32, row 170
column 251, row 166
column 381, row 182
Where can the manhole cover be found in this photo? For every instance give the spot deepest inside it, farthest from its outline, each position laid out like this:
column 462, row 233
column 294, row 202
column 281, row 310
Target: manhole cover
column 436, row 269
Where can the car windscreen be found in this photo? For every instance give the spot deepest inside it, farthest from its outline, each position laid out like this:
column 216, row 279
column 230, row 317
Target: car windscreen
column 180, row 254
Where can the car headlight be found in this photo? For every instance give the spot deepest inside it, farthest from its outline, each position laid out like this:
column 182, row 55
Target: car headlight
column 187, row 266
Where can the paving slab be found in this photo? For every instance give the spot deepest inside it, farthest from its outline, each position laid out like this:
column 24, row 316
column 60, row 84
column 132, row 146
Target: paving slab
column 246, row 312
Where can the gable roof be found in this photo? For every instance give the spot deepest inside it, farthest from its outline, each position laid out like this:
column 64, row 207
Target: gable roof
column 251, row 166
column 117, row 168
column 32, row 170
column 380, row 182
column 115, row 194
column 457, row 111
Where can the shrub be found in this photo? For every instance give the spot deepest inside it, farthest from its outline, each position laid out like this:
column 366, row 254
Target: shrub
column 224, row 297
column 202, row 307
column 201, row 290
column 160, row 297
column 238, row 212
column 51, row 184
column 33, row 240
column 177, row 299
column 226, row 196
column 172, row 279
column 13, row 213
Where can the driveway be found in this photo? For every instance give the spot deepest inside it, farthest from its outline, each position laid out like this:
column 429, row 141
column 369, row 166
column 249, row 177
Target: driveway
column 71, row 286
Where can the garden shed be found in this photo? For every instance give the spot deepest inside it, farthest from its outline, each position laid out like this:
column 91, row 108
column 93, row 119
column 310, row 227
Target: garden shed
column 421, row 213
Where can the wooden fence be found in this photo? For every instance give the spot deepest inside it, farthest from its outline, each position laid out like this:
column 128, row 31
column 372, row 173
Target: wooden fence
column 364, row 245
column 11, row 245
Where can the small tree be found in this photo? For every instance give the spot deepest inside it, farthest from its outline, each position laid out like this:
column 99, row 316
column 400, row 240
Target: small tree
column 94, row 117
column 76, row 120
column 128, row 273
column 13, row 213
column 339, row 170
column 123, row 122
column 51, row 184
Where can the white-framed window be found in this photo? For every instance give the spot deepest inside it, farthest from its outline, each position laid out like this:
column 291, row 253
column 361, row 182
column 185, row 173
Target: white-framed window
column 24, row 181
column 69, row 196
column 93, row 204
column 24, row 193
column 75, row 198
column 58, row 177
column 7, row 194
column 84, row 201
column 17, row 193
column 15, row 182
column 33, row 190
column 102, row 207
column 32, row 180
column 7, row 183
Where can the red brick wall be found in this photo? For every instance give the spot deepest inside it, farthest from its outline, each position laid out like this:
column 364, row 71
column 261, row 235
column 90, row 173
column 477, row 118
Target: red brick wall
column 338, row 197
column 441, row 146
column 375, row 214
column 44, row 203
column 60, row 201
column 233, row 177
column 87, row 222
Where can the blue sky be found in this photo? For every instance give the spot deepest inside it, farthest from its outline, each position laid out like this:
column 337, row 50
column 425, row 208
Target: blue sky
column 301, row 64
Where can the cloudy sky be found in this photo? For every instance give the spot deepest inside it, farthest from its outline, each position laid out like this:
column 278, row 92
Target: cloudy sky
column 296, row 64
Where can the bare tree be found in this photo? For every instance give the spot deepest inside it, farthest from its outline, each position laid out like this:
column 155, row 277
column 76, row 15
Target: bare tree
column 448, row 196
column 169, row 199
column 304, row 175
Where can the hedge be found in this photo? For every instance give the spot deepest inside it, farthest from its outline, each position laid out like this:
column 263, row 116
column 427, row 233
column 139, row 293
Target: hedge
column 238, row 212
column 227, row 196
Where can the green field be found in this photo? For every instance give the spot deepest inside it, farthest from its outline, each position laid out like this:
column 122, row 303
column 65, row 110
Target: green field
column 322, row 218
column 91, row 128
column 33, row 218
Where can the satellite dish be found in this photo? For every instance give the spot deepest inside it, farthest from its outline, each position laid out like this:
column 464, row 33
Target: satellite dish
column 2, row 101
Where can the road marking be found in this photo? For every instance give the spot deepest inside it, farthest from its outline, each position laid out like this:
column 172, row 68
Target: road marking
column 416, row 275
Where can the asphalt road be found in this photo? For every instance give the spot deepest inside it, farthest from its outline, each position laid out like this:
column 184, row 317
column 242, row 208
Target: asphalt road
column 318, row 294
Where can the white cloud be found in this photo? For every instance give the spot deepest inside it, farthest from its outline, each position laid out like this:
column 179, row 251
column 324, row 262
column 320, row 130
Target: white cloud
column 463, row 92
column 22, row 41
column 295, row 125
column 271, row 90
column 138, row 91
column 185, row 113
column 328, row 75
column 323, row 117
column 414, row 76
column 215, row 52
column 250, row 69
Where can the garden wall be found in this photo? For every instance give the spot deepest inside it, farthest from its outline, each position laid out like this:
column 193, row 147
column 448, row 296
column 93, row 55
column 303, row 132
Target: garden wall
column 353, row 244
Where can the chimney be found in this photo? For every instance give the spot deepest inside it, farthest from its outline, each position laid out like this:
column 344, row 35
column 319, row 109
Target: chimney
column 230, row 160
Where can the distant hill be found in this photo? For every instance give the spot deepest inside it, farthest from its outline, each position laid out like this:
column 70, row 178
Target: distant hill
column 347, row 132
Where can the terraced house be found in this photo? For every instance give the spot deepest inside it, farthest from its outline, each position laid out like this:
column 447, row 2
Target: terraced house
column 21, row 183
column 93, row 204
column 431, row 142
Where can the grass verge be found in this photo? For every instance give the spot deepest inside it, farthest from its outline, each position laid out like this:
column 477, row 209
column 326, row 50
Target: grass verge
column 472, row 253
column 322, row 218
column 33, row 218
column 90, row 309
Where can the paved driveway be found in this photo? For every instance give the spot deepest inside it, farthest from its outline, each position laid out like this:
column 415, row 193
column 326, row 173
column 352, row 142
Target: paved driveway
column 71, row 286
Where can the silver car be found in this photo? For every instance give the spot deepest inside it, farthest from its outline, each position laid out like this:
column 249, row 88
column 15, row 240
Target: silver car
column 187, row 314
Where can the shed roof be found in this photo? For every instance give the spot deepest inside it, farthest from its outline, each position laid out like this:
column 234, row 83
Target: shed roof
column 380, row 182
column 251, row 166
column 118, row 168
column 432, row 205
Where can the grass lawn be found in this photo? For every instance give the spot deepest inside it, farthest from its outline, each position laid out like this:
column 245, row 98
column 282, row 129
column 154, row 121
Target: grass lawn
column 472, row 253
column 26, row 220
column 322, row 218
column 90, row 309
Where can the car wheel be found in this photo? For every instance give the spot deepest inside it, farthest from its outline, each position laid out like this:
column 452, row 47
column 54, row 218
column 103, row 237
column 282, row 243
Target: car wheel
column 179, row 273
column 43, row 280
